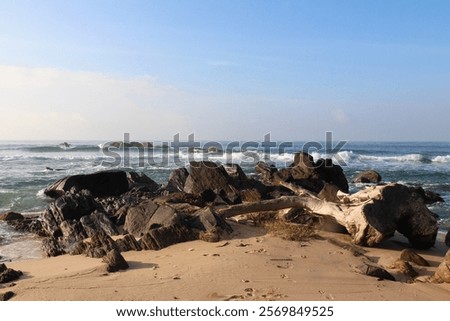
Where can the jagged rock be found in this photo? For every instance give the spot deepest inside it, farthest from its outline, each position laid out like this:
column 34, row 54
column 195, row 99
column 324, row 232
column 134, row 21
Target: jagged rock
column 11, row 216
column 8, row 275
column 411, row 256
column 162, row 237
column 265, row 171
column 72, row 232
column 235, row 172
column 177, row 180
column 98, row 221
column 147, row 215
column 51, row 247
column 375, row 271
column 100, row 245
column 140, row 181
column 115, row 261
column 208, row 220
column 332, row 173
column 447, row 239
column 442, row 274
column 101, row 184
column 205, row 175
column 6, row 296
column 128, row 243
column 369, row 176
column 405, row 268
column 30, row 224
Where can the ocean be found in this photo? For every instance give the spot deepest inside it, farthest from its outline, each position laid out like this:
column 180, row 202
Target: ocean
column 26, row 168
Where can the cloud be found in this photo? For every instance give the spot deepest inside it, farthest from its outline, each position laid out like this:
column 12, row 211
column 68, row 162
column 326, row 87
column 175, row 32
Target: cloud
column 49, row 103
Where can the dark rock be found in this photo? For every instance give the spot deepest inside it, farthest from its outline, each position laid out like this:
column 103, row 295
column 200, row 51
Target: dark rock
column 6, row 296
column 447, row 239
column 100, row 245
column 235, row 172
column 115, row 261
column 375, row 271
column 9, row 275
column 101, row 184
column 128, row 243
column 405, row 268
column 177, row 180
column 369, row 176
column 98, row 221
column 205, row 175
column 146, row 215
column 28, row 224
column 208, row 220
column 51, row 247
column 411, row 256
column 11, row 216
column 332, row 174
column 428, row 197
column 72, row 232
column 162, row 237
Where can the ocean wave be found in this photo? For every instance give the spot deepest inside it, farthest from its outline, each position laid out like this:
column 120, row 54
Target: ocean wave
column 441, row 159
column 415, row 158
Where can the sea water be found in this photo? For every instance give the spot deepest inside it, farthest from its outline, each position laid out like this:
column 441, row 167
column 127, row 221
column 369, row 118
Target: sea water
column 26, row 168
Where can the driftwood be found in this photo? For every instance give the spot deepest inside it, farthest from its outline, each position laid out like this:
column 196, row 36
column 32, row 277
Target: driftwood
column 370, row 216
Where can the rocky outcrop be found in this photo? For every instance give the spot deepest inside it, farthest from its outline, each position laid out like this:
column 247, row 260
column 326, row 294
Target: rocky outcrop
column 162, row 237
column 210, row 180
column 369, row 176
column 177, row 180
column 447, row 239
column 51, row 247
column 101, row 184
column 11, row 216
column 428, row 197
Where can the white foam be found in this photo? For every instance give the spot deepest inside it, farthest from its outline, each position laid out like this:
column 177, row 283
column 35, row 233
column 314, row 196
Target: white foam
column 401, row 158
column 441, row 159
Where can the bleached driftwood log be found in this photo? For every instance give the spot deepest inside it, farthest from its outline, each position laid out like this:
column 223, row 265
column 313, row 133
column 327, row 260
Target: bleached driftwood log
column 370, row 216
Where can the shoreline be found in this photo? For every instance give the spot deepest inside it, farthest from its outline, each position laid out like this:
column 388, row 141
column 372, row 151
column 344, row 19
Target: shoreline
column 250, row 264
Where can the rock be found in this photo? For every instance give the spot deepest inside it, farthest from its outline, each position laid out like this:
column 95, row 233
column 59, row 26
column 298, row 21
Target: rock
column 162, row 237
column 266, row 172
column 6, row 296
column 115, row 261
column 9, row 275
column 128, row 243
column 369, row 176
column 100, row 245
column 177, row 180
column 332, row 174
column 30, row 224
column 375, row 271
column 208, row 176
column 51, row 247
column 447, row 256
column 405, row 268
column 442, row 274
column 411, row 256
column 11, row 216
column 98, row 221
column 101, row 184
column 72, row 232
column 147, row 215
column 447, row 239
column 207, row 220
column 142, row 182
column 235, row 172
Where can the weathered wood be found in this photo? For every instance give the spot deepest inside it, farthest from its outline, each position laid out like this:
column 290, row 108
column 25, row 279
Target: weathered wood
column 370, row 216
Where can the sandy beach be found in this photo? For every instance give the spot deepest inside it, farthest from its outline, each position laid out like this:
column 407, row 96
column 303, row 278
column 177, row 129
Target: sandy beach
column 250, row 264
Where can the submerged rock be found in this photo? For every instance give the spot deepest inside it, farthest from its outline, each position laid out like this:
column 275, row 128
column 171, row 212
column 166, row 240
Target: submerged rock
column 369, row 176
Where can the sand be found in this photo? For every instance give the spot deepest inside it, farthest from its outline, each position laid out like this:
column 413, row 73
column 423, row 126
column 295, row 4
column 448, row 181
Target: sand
column 249, row 265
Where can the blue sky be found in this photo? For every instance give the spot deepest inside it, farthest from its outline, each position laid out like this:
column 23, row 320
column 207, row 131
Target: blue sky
column 366, row 70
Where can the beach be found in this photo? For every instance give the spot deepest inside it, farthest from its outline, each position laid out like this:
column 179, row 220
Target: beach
column 250, row 264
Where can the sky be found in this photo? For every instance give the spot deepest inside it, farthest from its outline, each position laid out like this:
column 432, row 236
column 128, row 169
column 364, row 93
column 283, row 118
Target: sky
column 225, row 70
